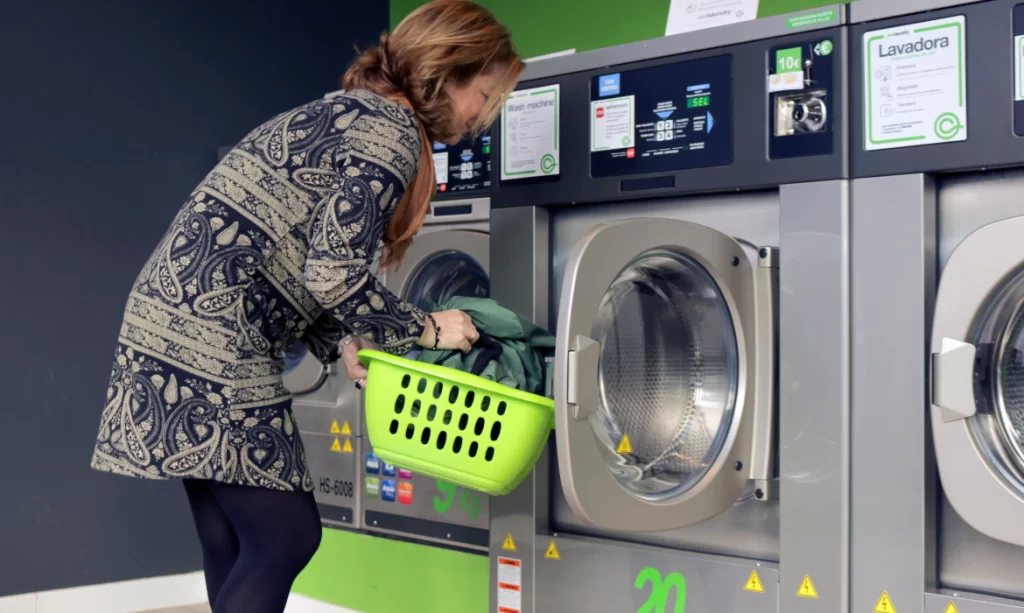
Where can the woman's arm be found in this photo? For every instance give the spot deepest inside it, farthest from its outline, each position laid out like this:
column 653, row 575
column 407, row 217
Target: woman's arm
column 344, row 234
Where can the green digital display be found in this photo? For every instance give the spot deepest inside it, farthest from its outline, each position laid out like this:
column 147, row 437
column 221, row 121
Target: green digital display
column 698, row 101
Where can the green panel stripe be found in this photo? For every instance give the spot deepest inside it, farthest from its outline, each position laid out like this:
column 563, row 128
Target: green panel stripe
column 546, row 26
column 379, row 575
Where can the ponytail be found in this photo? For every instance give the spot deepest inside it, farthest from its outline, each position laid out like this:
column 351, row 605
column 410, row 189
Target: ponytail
column 444, row 41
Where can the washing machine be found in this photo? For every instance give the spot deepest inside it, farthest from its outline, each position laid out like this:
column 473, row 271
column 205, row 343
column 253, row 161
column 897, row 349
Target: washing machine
column 678, row 214
column 938, row 487
column 450, row 257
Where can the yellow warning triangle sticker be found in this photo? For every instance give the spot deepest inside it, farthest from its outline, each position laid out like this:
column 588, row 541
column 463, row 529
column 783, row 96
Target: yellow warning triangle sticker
column 754, row 583
column 552, row 552
column 807, row 588
column 348, row 446
column 336, row 446
column 345, row 429
column 951, row 608
column 885, row 604
column 509, row 544
column 624, row 446
column 334, row 427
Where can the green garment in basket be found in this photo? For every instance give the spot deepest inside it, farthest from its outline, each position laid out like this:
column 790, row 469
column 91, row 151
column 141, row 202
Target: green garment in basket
column 521, row 364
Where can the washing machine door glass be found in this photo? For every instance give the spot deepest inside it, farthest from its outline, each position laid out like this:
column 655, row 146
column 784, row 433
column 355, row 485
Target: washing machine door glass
column 658, row 349
column 668, row 374
column 440, row 265
column 303, row 373
column 977, row 390
column 444, row 275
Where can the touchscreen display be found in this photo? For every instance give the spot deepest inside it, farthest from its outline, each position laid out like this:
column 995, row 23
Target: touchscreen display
column 662, row 119
column 464, row 167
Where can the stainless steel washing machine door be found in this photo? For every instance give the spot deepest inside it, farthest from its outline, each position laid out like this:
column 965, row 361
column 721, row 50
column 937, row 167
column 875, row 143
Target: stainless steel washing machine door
column 664, row 371
column 303, row 373
column 441, row 265
column 977, row 383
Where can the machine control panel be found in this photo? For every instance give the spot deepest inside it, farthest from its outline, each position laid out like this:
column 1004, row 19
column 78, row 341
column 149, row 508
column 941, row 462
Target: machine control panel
column 463, row 168
column 662, row 118
column 800, row 94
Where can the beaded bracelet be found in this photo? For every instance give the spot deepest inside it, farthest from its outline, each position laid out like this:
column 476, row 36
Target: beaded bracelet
column 437, row 331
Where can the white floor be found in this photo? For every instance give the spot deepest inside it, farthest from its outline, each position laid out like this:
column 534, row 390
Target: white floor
column 174, row 594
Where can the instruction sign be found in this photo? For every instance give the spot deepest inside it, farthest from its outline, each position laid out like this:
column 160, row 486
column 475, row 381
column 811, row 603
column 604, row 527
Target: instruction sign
column 529, row 133
column 692, row 15
column 612, row 123
column 510, row 585
column 915, row 84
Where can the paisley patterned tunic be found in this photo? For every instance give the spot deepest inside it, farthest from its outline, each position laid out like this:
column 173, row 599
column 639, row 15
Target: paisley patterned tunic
column 275, row 245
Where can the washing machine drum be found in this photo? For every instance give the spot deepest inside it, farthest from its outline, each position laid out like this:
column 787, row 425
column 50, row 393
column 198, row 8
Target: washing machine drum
column 668, row 374
column 1000, row 376
column 444, row 275
column 293, row 356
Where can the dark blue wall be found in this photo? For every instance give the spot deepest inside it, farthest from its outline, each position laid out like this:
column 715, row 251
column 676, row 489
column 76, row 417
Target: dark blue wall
column 112, row 111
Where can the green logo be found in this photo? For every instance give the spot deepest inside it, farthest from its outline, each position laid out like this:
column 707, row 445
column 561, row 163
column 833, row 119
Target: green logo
column 789, row 60
column 947, row 126
column 447, row 490
column 626, row 140
column 468, row 504
column 825, row 47
column 661, row 589
column 547, row 163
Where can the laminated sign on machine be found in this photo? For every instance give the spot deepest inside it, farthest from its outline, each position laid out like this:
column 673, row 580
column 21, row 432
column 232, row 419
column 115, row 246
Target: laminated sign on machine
column 529, row 133
column 915, row 84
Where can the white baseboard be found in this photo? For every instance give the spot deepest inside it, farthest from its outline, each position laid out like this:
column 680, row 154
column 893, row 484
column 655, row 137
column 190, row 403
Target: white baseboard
column 138, row 595
column 120, row 597
column 303, row 604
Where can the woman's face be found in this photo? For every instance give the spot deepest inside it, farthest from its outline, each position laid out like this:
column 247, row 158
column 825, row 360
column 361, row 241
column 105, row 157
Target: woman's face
column 468, row 101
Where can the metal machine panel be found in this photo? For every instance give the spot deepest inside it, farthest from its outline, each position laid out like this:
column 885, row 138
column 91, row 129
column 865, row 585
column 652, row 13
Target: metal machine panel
column 398, row 501
column 326, row 411
column 814, row 393
column 892, row 294
column 333, row 465
column 989, row 89
column 522, row 285
column 594, row 575
column 751, row 166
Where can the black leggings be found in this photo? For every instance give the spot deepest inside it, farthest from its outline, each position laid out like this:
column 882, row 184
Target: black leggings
column 255, row 542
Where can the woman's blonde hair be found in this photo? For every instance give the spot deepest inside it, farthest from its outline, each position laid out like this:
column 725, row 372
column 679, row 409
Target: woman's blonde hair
column 442, row 42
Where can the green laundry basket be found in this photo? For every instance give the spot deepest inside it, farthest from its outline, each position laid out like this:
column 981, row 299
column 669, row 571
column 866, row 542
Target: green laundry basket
column 452, row 425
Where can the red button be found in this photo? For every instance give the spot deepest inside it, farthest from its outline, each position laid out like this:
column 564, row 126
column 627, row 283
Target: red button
column 631, row 153
column 405, row 493
column 600, row 112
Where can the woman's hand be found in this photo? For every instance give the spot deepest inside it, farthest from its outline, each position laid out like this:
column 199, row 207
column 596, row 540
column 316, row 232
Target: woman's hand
column 350, row 348
column 457, row 332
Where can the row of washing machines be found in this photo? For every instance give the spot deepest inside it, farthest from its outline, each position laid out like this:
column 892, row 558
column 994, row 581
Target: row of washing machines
column 784, row 261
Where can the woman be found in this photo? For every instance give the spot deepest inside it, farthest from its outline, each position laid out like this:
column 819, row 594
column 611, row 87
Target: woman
column 276, row 245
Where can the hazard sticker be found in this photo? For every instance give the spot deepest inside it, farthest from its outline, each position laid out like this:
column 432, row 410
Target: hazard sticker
column 807, row 588
column 754, row 583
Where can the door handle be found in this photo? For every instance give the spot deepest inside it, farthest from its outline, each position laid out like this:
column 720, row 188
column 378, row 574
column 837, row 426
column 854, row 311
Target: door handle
column 953, row 380
column 581, row 376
